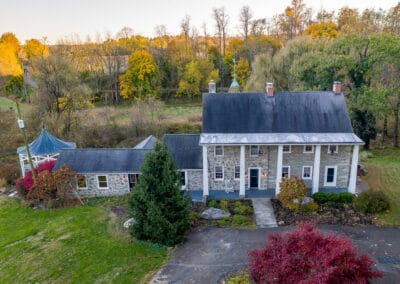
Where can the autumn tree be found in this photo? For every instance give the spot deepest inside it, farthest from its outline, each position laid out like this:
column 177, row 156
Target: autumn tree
column 243, row 71
column 9, row 60
column 34, row 48
column 245, row 17
column 323, row 29
column 189, row 85
column 295, row 19
column 141, row 78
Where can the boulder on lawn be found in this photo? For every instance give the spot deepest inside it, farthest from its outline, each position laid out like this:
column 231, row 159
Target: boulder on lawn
column 306, row 200
column 214, row 214
column 129, row 223
column 361, row 170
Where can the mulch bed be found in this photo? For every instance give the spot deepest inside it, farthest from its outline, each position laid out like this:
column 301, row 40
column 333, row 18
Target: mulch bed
column 329, row 213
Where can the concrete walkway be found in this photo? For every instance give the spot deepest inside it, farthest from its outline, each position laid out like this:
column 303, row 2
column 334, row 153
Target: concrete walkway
column 265, row 217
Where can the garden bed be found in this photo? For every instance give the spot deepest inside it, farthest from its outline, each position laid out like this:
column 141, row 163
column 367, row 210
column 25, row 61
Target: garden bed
column 242, row 214
column 328, row 213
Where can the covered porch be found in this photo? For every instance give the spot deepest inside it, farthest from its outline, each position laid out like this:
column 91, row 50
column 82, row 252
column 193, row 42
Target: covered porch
column 197, row 195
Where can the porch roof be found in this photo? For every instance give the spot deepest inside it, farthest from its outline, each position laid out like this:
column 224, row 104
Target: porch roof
column 279, row 138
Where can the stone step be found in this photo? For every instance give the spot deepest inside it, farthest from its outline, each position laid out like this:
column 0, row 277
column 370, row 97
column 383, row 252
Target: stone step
column 265, row 217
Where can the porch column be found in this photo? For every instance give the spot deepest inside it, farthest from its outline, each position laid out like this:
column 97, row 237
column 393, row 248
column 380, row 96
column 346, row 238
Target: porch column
column 279, row 169
column 353, row 169
column 242, row 170
column 22, row 164
column 317, row 162
column 205, row 172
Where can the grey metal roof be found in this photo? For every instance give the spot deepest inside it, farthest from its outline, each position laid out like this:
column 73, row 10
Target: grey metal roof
column 285, row 112
column 85, row 161
column 280, row 138
column 185, row 150
column 147, row 143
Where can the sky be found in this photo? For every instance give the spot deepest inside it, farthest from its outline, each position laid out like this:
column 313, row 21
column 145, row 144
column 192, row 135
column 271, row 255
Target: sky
column 56, row 19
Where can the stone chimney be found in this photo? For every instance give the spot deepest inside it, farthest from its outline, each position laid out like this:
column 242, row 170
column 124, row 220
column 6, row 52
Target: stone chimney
column 270, row 89
column 337, row 87
column 211, row 87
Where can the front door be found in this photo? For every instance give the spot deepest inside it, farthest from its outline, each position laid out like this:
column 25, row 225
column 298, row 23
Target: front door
column 253, row 178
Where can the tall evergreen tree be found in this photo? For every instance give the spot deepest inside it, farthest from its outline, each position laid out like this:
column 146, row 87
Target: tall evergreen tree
column 157, row 203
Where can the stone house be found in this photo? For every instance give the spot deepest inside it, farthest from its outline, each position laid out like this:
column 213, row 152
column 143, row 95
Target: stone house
column 249, row 143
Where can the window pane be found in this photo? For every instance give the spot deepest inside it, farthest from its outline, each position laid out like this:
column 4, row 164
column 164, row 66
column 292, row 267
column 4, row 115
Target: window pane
column 237, row 172
column 286, row 148
column 183, row 178
column 219, row 151
column 218, row 172
column 330, row 175
column 81, row 181
column 285, row 172
column 332, row 148
column 254, row 150
column 306, row 172
column 308, row 148
column 133, row 179
column 102, row 181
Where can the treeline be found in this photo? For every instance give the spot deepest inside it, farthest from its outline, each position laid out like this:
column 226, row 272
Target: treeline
column 294, row 49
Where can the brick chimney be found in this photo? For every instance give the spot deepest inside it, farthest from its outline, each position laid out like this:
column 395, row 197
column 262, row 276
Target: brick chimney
column 337, row 87
column 270, row 89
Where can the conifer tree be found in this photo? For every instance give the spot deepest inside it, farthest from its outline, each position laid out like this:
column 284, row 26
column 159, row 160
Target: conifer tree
column 157, row 203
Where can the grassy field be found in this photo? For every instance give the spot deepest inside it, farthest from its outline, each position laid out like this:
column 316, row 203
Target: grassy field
column 5, row 104
column 384, row 174
column 84, row 244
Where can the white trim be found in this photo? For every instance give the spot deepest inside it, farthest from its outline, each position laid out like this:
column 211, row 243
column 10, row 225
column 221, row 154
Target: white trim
column 258, row 151
column 288, row 171
column 98, row 184
column 316, row 169
column 234, row 172
column 242, row 182
column 279, row 169
column 287, row 152
column 223, row 173
column 279, row 138
column 308, row 152
column 205, row 171
column 335, row 152
column 334, row 177
column 353, row 170
column 77, row 182
column 215, row 151
column 259, row 176
column 311, row 172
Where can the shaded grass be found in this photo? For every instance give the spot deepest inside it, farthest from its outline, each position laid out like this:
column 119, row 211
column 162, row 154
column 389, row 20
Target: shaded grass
column 80, row 244
column 5, row 104
column 384, row 174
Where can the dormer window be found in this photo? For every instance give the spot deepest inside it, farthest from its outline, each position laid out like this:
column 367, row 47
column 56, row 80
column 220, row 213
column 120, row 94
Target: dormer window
column 219, row 150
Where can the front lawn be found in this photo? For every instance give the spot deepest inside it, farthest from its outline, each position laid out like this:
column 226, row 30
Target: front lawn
column 384, row 174
column 84, row 244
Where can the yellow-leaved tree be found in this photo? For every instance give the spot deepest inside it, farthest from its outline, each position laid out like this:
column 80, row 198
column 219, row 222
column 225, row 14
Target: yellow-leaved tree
column 141, row 78
column 9, row 61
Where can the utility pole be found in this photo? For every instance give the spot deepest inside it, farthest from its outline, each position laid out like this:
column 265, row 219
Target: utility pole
column 21, row 126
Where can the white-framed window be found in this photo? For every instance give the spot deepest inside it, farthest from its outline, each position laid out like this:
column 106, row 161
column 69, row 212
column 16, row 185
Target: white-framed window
column 133, row 180
column 102, row 181
column 218, row 150
column 183, row 175
column 330, row 176
column 307, row 172
column 308, row 149
column 219, row 172
column 286, row 172
column 287, row 148
column 254, row 150
column 81, row 181
column 237, row 172
column 333, row 149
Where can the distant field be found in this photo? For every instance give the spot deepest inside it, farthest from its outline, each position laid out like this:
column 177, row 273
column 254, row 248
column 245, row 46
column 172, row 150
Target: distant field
column 384, row 174
column 84, row 244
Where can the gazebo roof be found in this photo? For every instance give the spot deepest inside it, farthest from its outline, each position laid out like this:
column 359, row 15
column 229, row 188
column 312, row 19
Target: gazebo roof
column 45, row 144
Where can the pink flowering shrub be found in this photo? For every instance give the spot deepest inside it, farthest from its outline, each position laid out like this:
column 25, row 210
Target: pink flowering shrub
column 306, row 255
column 24, row 184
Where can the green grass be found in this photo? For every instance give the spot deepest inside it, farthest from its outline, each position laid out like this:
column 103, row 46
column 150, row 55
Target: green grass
column 74, row 245
column 5, row 104
column 384, row 174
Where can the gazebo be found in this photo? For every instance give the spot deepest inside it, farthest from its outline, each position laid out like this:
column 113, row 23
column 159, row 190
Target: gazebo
column 45, row 147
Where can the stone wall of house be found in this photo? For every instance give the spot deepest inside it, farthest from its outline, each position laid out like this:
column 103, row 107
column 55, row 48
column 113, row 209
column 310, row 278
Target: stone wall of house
column 194, row 179
column 118, row 184
column 266, row 161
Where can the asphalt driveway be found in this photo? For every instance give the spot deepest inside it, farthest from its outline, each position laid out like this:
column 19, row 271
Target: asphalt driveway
column 211, row 254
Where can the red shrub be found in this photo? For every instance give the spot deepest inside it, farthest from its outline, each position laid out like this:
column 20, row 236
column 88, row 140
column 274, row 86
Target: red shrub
column 306, row 255
column 26, row 182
